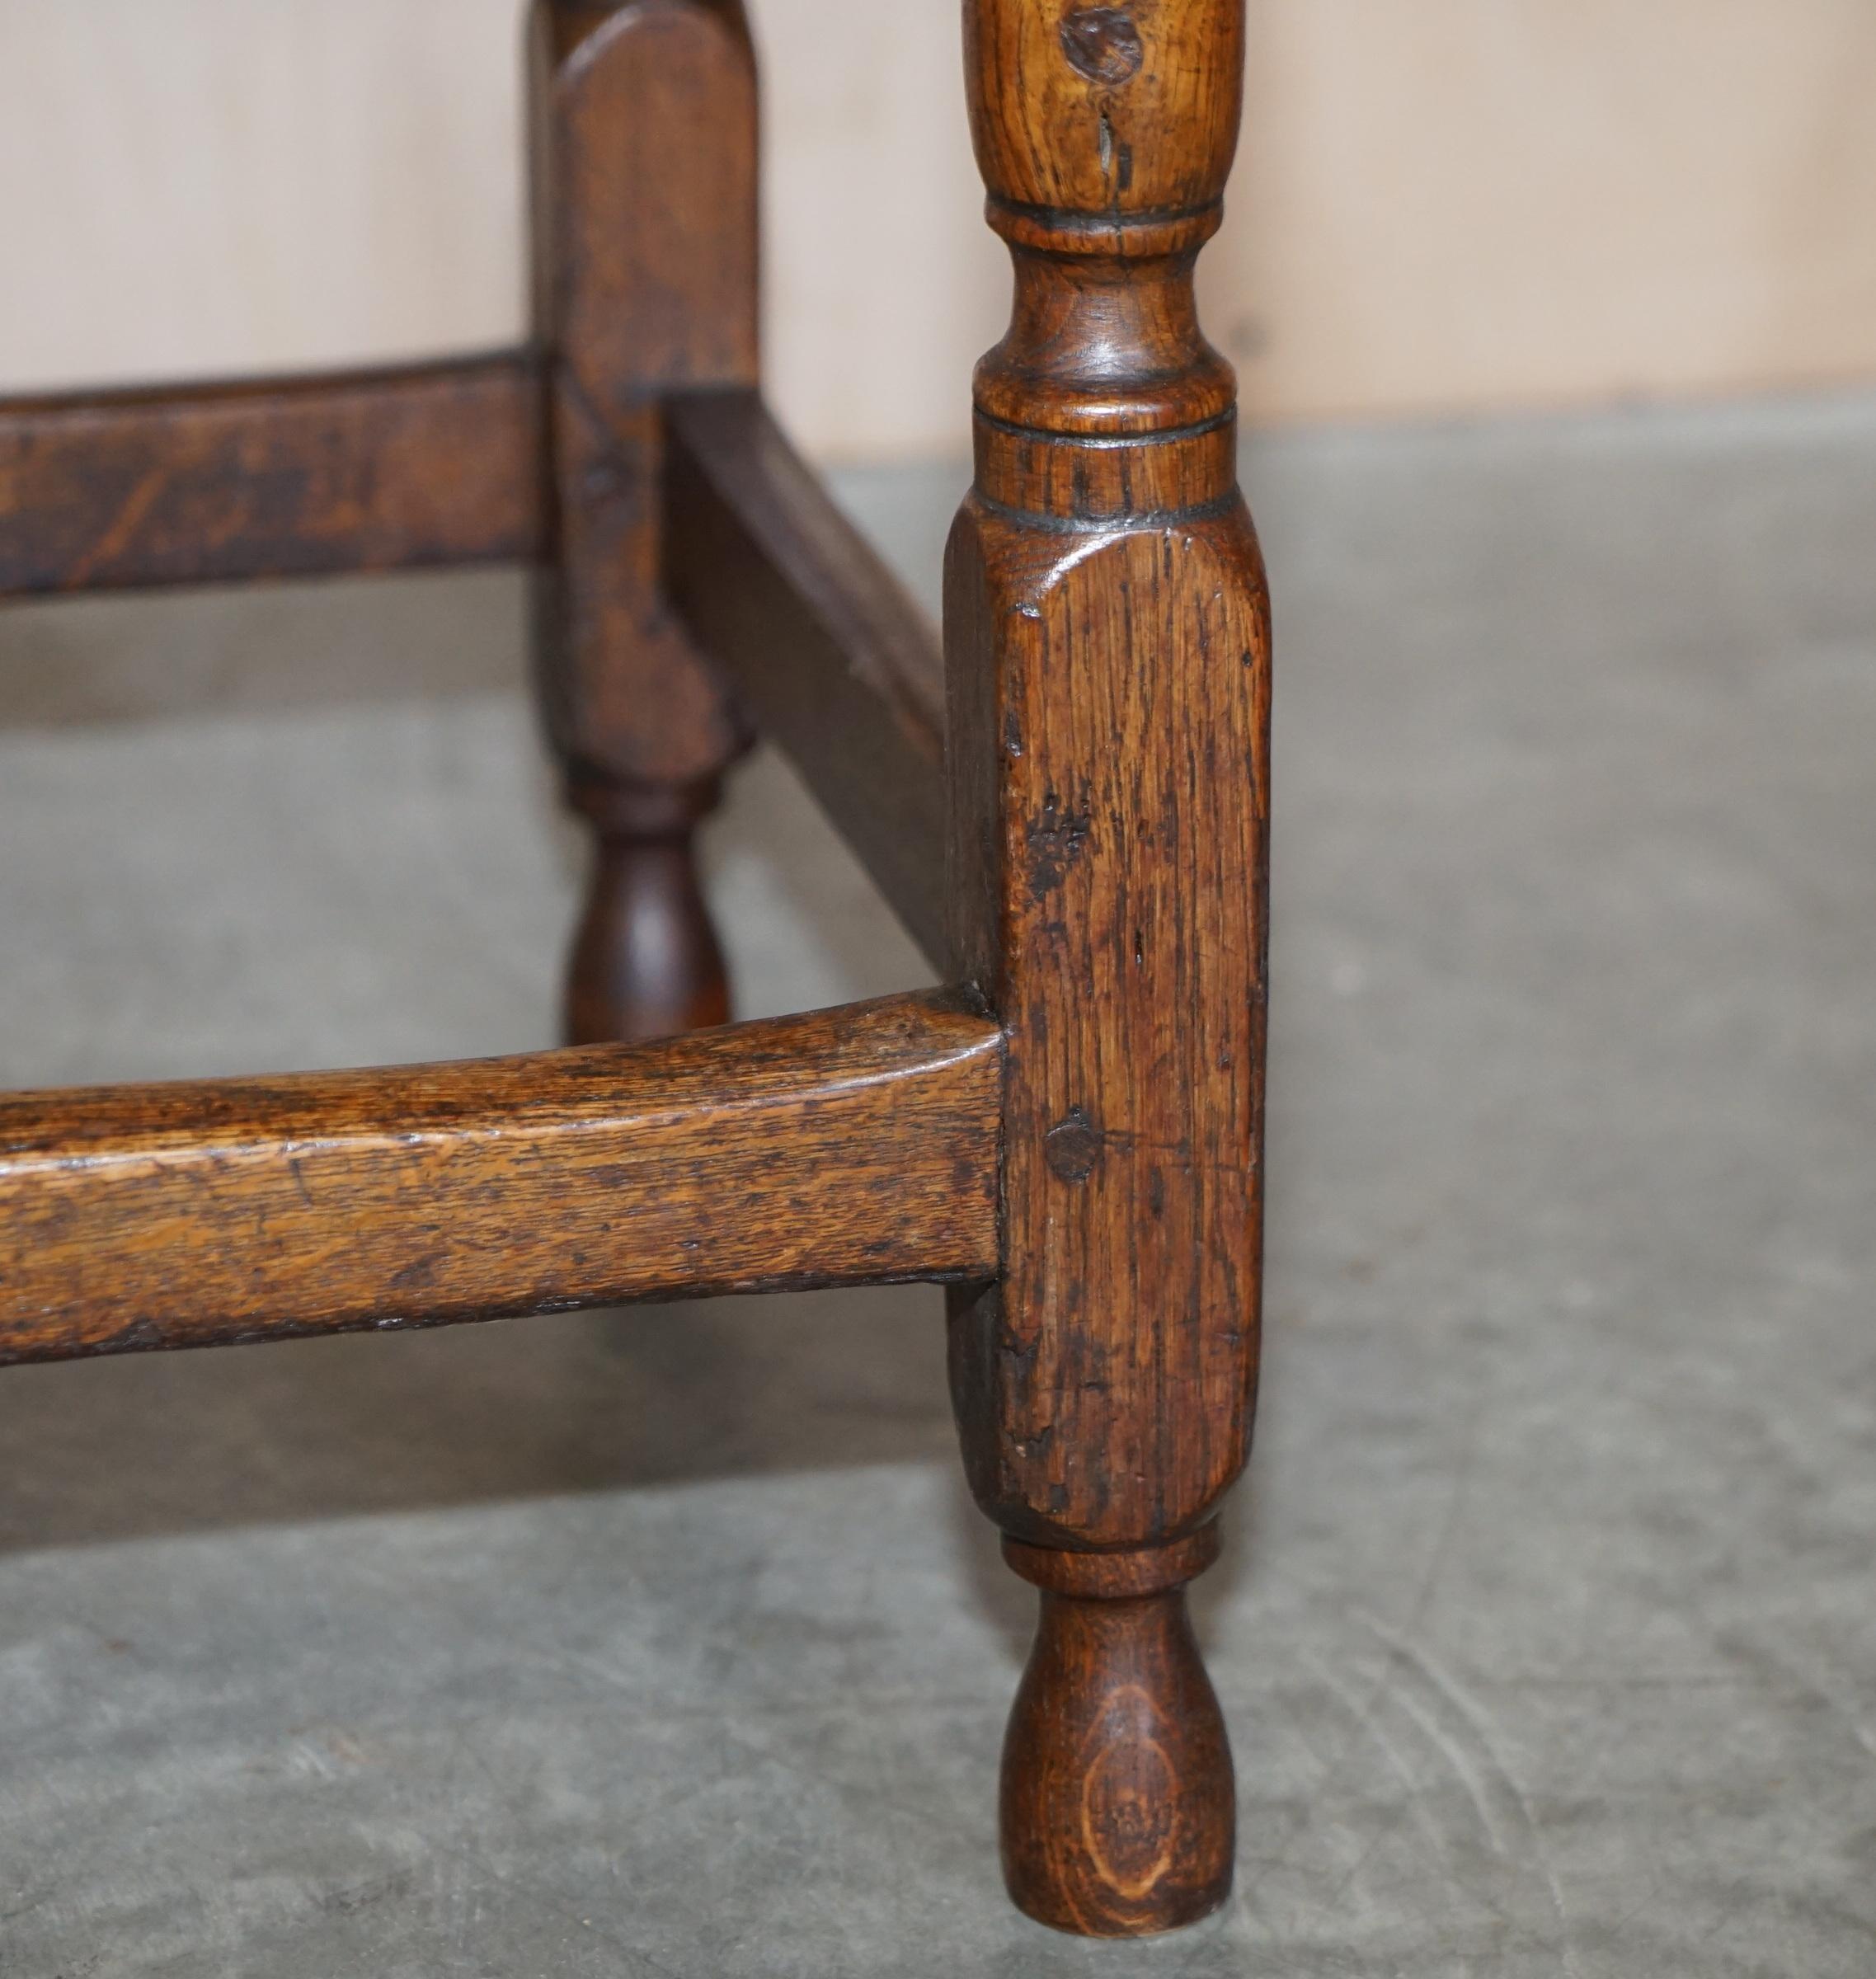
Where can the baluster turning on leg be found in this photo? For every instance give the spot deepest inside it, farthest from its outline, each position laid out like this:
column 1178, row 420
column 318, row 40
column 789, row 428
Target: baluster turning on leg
column 645, row 963
column 1108, row 679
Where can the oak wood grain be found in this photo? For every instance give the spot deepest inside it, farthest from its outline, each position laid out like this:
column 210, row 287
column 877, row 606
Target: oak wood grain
column 287, row 477
column 1107, row 660
column 644, row 141
column 1117, row 1789
column 825, row 650
column 643, row 127
column 1072, row 1140
column 847, row 1146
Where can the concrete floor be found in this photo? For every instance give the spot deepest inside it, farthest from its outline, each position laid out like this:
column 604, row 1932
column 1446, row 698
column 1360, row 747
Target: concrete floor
column 667, row 1643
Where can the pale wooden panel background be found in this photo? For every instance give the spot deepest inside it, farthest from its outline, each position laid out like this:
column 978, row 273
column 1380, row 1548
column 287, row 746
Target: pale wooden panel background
column 1445, row 204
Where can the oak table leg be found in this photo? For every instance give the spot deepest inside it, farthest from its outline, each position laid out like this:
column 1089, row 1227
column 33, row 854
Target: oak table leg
column 644, row 962
column 1108, row 649
column 644, row 117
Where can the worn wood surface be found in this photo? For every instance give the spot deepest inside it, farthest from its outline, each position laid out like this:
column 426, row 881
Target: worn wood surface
column 364, row 470
column 826, row 651
column 1107, row 653
column 643, row 128
column 1072, row 1140
column 1117, row 1788
column 849, row 1146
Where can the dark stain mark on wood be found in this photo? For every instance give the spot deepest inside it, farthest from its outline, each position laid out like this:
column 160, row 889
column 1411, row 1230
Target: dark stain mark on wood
column 1055, row 840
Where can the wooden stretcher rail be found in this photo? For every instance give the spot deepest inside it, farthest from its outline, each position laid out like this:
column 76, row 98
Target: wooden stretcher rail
column 826, row 651
column 362, row 471
column 848, row 1146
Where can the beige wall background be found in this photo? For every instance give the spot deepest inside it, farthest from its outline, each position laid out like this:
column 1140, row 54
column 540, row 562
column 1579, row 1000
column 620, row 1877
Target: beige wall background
column 1440, row 205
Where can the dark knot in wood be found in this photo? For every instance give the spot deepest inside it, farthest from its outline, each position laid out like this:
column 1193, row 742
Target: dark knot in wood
column 1103, row 43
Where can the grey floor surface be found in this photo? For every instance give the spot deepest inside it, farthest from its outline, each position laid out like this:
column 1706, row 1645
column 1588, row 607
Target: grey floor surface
column 667, row 1644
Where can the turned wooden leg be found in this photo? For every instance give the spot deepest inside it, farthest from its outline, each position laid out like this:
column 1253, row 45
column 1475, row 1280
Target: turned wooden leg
column 645, row 233
column 1107, row 681
column 645, row 961
column 1118, row 1814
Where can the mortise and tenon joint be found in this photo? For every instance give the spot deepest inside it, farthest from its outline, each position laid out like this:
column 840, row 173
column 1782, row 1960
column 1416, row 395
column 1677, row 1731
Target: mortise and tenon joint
column 1068, row 810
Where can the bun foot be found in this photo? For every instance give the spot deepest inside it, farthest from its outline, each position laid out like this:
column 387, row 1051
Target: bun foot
column 645, row 963
column 1118, row 1806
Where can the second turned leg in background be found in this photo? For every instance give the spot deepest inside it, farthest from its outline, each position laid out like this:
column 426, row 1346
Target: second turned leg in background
column 644, row 135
